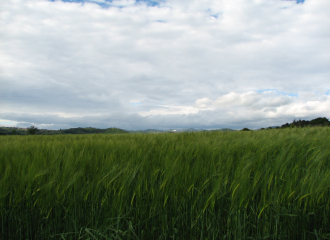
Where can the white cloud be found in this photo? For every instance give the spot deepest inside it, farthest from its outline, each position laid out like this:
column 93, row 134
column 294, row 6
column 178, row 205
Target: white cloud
column 170, row 110
column 253, row 100
column 174, row 59
column 204, row 103
column 123, row 3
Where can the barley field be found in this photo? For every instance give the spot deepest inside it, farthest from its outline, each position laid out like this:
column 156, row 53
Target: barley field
column 270, row 184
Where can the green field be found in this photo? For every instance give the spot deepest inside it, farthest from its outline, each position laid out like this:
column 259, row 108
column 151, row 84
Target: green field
column 270, row 184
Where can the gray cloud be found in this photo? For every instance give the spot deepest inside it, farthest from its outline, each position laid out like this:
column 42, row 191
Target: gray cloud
column 186, row 64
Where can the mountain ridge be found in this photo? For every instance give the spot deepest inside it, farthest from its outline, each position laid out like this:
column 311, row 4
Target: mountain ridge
column 320, row 121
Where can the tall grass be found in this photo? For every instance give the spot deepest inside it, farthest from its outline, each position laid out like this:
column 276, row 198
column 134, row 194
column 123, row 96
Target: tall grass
column 207, row 185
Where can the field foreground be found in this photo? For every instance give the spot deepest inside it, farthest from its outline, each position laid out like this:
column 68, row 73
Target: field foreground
column 271, row 184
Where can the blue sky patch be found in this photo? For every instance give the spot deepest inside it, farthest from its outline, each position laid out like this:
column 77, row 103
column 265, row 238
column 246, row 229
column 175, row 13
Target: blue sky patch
column 265, row 90
column 135, row 103
column 7, row 122
column 327, row 92
column 107, row 3
column 148, row 2
column 278, row 92
column 215, row 15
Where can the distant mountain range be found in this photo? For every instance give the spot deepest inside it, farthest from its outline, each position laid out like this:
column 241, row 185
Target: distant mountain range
column 89, row 130
column 178, row 130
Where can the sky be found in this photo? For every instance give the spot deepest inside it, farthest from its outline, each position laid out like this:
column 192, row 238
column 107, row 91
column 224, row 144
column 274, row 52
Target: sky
column 164, row 64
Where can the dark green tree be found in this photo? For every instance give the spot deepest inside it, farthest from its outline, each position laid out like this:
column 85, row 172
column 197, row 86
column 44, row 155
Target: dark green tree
column 32, row 130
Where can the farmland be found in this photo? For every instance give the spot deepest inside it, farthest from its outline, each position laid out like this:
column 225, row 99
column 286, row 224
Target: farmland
column 270, row 184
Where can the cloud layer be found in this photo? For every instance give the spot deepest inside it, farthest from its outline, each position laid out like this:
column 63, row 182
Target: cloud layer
column 163, row 64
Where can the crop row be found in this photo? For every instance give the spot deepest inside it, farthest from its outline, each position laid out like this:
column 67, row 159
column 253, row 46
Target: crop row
column 205, row 185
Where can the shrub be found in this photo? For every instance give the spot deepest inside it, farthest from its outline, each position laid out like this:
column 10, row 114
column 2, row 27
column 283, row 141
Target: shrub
column 32, row 130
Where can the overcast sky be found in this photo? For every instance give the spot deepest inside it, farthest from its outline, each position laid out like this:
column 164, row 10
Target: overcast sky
column 164, row 64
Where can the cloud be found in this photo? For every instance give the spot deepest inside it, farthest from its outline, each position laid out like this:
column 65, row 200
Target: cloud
column 252, row 100
column 270, row 109
column 163, row 63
